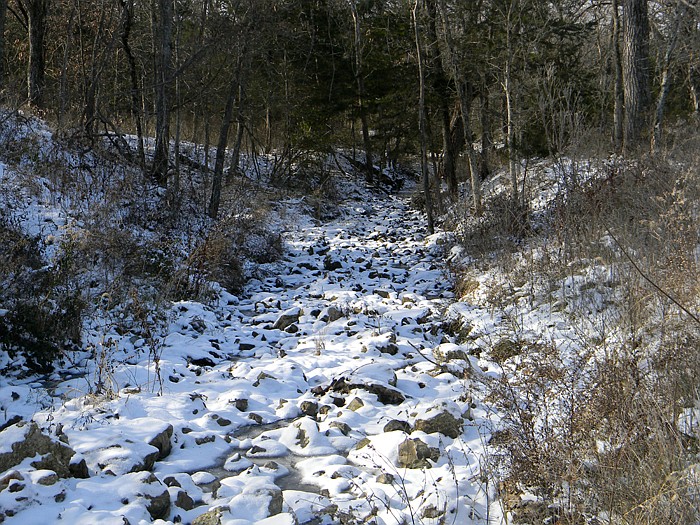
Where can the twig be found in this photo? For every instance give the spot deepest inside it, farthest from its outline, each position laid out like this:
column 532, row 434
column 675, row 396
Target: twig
column 650, row 281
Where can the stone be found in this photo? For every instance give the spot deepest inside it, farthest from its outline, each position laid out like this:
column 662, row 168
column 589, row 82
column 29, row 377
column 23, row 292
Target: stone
column 202, row 361
column 309, row 408
column 330, row 314
column 241, row 404
column 385, row 478
column 26, row 440
column 343, row 427
column 276, row 502
column 384, row 294
column 443, row 423
column 170, row 481
column 156, row 495
column 287, row 319
column 415, row 454
column 397, row 424
column 211, row 517
column 162, row 442
column 389, row 348
column 330, row 264
column 356, row 404
column 183, row 500
column 431, row 512
column 48, row 479
column 386, row 395
column 10, row 477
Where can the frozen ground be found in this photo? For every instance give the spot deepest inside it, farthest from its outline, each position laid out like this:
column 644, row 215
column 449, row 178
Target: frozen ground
column 328, row 392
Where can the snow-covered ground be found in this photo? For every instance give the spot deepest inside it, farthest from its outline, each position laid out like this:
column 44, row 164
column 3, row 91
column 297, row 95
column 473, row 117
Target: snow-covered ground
column 327, row 392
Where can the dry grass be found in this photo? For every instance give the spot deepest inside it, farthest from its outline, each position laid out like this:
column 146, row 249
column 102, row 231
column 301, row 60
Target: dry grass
column 592, row 425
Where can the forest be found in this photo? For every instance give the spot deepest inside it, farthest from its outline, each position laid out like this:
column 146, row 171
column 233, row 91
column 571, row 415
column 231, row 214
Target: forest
column 314, row 262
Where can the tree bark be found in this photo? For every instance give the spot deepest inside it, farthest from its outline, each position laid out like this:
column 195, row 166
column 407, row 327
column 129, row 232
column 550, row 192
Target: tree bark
column 233, row 89
column 360, row 79
column 37, row 11
column 463, row 91
column 3, row 17
column 666, row 78
column 422, row 122
column 135, row 94
column 635, row 70
column 163, row 24
column 619, row 94
column 440, row 85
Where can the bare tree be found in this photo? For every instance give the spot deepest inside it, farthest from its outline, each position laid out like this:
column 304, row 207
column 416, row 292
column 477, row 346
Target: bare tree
column 422, row 118
column 162, row 20
column 358, row 49
column 635, row 26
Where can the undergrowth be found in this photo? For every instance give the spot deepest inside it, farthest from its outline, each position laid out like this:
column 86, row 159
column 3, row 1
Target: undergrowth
column 598, row 417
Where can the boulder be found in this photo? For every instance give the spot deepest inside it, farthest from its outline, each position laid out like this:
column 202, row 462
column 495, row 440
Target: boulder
column 414, row 453
column 309, row 408
column 162, row 442
column 287, row 319
column 211, row 517
column 396, row 424
column 25, row 440
column 443, row 423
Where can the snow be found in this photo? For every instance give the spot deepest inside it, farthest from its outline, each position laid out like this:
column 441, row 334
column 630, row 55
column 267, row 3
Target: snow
column 233, row 387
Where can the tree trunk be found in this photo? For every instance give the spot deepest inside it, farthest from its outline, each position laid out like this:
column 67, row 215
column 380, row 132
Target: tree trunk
column 486, row 141
column 463, row 92
column 619, row 95
column 666, row 78
column 635, row 70
column 422, row 123
column 440, row 85
column 3, row 16
column 37, row 11
column 233, row 90
column 163, row 25
column 125, row 32
column 360, row 79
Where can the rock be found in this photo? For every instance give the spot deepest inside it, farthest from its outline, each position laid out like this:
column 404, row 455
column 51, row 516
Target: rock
column 170, row 481
column 330, row 314
column 162, row 442
column 206, row 439
column 397, row 424
column 431, row 512
column 9, row 477
column 414, row 453
column 223, row 422
column 386, row 395
column 362, row 443
column 183, row 500
column 444, row 423
column 389, row 348
column 287, row 319
column 382, row 293
column 25, row 440
column 241, row 404
column 330, row 264
column 211, row 517
column 385, row 478
column 276, row 502
column 343, row 427
column 78, row 467
column 356, row 404
column 202, row 361
column 48, row 478
column 156, row 496
column 309, row 408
